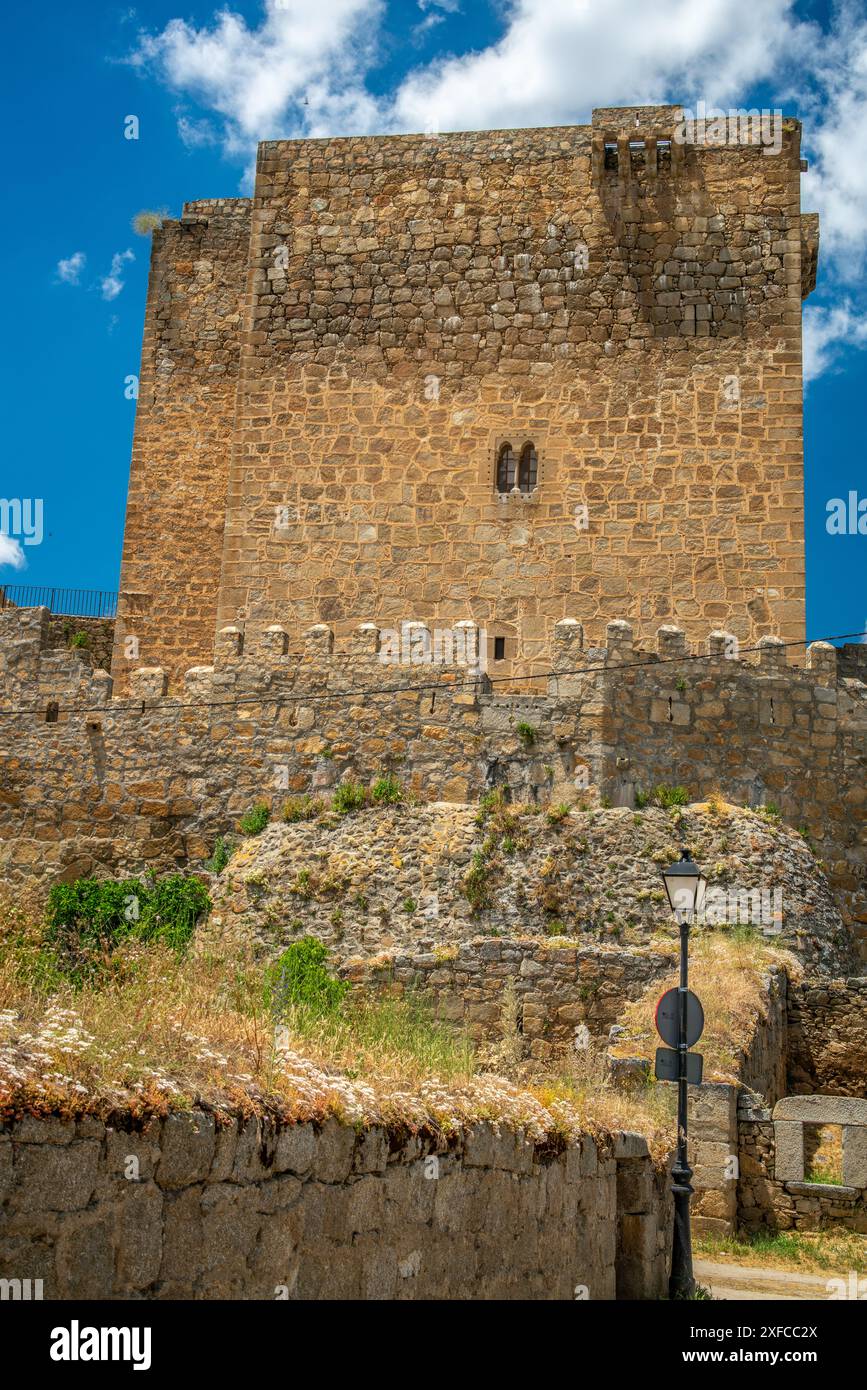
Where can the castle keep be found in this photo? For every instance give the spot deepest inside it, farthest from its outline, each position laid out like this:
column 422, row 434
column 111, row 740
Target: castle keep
column 508, row 377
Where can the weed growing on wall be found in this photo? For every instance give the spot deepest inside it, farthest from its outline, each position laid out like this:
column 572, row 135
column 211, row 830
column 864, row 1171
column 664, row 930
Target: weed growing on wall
column 349, row 797
column 386, row 790
column 220, row 857
column 255, row 820
column 662, row 795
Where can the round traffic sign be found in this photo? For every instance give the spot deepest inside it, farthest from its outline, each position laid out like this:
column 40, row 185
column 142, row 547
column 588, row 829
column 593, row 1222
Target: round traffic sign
column 667, row 1018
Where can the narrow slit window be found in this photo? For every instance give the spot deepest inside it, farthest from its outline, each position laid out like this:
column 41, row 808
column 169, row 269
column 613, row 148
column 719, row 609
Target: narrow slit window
column 611, row 156
column 499, row 648
column 529, row 468
column 505, row 468
column 663, row 154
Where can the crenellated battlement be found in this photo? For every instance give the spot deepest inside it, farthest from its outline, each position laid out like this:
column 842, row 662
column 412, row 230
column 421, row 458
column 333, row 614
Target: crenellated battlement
column 33, row 668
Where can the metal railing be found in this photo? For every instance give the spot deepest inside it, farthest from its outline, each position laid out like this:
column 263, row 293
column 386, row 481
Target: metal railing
column 74, row 603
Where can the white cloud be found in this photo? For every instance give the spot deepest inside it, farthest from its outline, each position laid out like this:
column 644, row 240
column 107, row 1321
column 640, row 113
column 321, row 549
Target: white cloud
column 69, row 270
column 11, row 552
column 196, row 134
column 828, row 332
column 257, row 78
column 836, row 140
column 112, row 283
column 556, row 60
column 560, row 58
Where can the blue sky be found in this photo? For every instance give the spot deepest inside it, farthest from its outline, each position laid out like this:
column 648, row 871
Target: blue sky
column 205, row 87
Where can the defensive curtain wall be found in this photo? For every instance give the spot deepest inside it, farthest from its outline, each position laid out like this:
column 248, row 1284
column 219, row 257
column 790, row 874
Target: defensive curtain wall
column 91, row 780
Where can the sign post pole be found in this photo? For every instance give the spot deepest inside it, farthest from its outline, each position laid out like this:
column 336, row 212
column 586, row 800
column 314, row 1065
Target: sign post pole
column 681, row 1283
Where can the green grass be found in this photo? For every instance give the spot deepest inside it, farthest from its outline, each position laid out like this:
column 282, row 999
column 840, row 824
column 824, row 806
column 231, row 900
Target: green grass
column 833, row 1250
column 391, row 1025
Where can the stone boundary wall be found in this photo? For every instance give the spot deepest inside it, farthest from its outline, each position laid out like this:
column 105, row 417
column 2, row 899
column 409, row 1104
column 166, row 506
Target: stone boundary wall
column 556, row 988
column 256, row 1211
column 152, row 779
column 766, row 1201
column 828, row 1036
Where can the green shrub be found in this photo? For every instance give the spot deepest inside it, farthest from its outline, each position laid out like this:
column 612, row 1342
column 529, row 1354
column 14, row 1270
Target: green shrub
column 79, row 639
column 387, row 790
column 299, row 808
column 526, row 733
column 349, row 797
column 557, row 814
column 88, row 919
column 255, row 820
column 300, row 978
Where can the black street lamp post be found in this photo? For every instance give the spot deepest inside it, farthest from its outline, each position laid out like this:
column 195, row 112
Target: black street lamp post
column 685, row 885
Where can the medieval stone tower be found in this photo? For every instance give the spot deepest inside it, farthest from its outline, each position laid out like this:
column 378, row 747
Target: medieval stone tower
column 508, row 376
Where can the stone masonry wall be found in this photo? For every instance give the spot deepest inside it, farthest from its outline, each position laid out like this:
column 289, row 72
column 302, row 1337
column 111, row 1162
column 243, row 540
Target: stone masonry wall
column 151, row 780
column 256, row 1211
column 393, row 308
column 418, row 875
column 557, row 988
column 100, row 638
column 828, row 1037
column 170, row 568
column 414, row 301
column 765, row 1202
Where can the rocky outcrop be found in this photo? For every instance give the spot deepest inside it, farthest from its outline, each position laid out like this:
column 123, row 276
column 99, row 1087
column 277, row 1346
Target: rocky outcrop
column 413, row 878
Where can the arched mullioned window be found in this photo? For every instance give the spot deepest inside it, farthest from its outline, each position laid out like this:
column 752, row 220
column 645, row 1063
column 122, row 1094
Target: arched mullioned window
column 505, row 468
column 528, row 468
column 517, row 472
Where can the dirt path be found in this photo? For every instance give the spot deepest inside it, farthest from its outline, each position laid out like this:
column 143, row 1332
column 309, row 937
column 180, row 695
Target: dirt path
column 737, row 1281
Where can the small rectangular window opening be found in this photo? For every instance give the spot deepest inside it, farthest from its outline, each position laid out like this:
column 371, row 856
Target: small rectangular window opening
column 611, row 156
column 499, row 648
column 663, row 154
column 637, row 152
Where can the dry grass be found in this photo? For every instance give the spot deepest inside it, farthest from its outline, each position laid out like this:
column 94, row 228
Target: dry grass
column 585, row 1082
column 726, row 972
column 161, row 1033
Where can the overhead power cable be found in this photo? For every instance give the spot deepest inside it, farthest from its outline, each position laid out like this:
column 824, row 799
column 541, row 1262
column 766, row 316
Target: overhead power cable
column 137, row 705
